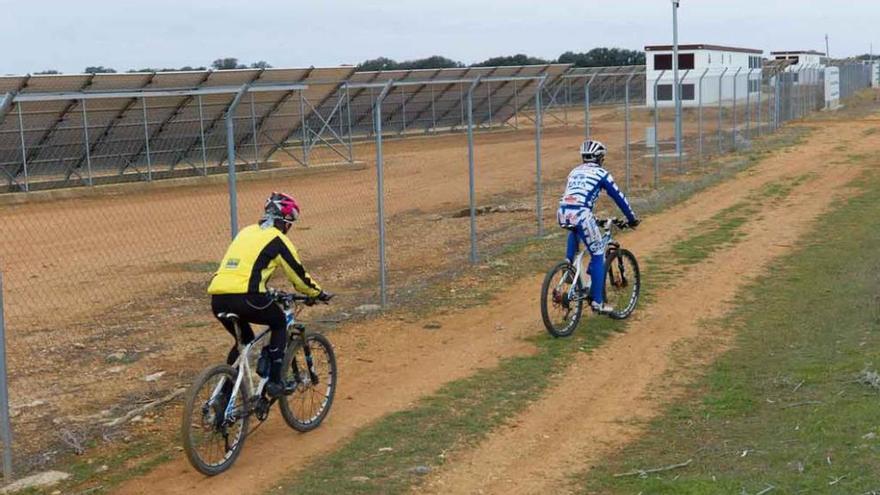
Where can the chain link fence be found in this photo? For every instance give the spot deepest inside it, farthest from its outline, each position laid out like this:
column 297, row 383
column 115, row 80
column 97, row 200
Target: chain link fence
column 114, row 212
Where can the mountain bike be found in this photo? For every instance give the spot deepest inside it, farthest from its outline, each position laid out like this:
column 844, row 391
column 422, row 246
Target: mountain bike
column 222, row 400
column 566, row 286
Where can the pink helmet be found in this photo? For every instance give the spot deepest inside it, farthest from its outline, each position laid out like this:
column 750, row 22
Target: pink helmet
column 283, row 207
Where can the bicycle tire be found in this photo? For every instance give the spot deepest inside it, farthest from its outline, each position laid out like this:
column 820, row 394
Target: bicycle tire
column 616, row 260
column 546, row 294
column 294, row 356
column 192, row 401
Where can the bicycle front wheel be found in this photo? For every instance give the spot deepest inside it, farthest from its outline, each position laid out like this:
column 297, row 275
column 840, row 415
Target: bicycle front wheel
column 561, row 307
column 313, row 368
column 212, row 439
column 623, row 283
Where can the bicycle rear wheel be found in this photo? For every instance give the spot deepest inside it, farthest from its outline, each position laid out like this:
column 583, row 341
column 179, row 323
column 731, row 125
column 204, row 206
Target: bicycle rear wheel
column 560, row 313
column 212, row 444
column 313, row 368
column 623, row 283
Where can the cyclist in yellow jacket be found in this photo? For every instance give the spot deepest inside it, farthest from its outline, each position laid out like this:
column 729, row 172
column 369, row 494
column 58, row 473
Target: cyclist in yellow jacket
column 239, row 285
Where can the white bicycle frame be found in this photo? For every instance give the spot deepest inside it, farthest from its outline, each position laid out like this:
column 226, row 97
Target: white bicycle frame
column 580, row 273
column 243, row 365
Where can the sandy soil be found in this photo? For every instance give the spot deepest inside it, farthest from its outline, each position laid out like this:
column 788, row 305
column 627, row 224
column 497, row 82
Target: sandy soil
column 585, row 408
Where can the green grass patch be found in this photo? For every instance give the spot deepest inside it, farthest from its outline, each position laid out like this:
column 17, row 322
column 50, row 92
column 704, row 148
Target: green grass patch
column 720, row 231
column 794, row 404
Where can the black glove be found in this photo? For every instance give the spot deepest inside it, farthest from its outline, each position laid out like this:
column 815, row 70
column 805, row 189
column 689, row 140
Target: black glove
column 634, row 223
column 325, row 296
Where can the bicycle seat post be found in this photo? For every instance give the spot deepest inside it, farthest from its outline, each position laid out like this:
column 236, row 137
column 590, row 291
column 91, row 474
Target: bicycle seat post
column 238, row 337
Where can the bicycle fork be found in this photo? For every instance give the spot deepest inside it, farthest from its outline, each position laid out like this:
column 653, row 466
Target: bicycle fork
column 310, row 365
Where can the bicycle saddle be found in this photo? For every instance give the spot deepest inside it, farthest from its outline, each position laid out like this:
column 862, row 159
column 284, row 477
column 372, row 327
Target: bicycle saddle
column 228, row 316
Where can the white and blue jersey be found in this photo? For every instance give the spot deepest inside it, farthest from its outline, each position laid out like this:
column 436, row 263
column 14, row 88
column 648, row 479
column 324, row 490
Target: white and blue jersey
column 582, row 190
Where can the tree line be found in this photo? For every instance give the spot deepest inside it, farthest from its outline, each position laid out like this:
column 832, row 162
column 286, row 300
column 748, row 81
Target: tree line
column 226, row 63
column 597, row 57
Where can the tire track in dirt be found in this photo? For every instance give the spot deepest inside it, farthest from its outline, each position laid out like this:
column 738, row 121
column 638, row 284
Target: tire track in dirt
column 387, row 365
column 600, row 401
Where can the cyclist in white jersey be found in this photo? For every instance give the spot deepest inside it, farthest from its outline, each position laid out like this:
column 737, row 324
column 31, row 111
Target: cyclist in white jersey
column 575, row 213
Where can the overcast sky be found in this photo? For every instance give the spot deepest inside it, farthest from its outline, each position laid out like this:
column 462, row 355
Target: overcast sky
column 68, row 35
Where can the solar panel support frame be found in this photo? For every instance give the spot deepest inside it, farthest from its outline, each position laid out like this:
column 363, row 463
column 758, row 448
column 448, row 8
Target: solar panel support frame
column 315, row 137
column 202, row 137
column 85, row 123
column 539, row 184
column 24, row 162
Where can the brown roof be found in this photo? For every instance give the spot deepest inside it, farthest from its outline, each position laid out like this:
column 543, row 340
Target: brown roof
column 666, row 48
column 798, row 52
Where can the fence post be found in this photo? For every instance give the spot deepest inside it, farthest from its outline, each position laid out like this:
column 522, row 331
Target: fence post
column 85, row 122
column 735, row 76
column 720, row 107
column 230, row 158
column 700, row 116
column 539, row 186
column 805, row 77
column 471, row 187
column 679, row 133
column 626, row 137
column 380, row 191
column 749, row 104
column 567, row 83
column 760, row 93
column 515, row 106
column 776, row 101
column 5, row 426
column 489, row 100
column 657, row 134
column 587, row 107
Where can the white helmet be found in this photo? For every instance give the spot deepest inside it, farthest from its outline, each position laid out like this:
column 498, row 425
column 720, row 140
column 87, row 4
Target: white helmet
column 593, row 152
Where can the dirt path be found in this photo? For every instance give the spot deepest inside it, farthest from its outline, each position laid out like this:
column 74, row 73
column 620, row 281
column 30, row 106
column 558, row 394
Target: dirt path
column 415, row 361
column 599, row 403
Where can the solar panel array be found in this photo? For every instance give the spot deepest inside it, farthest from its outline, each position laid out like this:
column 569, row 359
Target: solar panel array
column 151, row 135
column 414, row 108
column 91, row 128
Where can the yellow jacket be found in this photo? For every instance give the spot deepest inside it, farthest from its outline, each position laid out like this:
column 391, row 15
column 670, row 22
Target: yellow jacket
column 251, row 259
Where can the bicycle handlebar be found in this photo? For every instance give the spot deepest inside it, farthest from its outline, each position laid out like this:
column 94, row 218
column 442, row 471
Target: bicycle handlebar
column 287, row 297
column 606, row 223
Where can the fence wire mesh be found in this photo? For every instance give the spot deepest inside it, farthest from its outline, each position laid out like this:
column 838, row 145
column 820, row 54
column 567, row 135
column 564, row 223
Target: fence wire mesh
column 109, row 280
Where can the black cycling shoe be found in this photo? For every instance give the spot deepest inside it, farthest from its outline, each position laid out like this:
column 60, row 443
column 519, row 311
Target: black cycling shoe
column 277, row 389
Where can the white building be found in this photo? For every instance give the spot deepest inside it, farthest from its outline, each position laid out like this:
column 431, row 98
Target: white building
column 802, row 58
column 709, row 71
column 807, row 62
